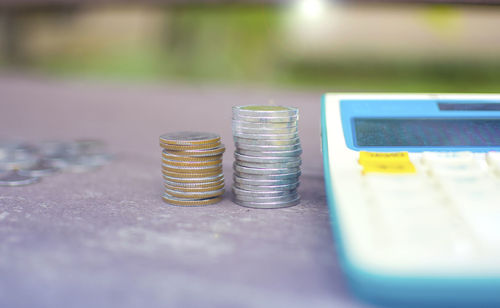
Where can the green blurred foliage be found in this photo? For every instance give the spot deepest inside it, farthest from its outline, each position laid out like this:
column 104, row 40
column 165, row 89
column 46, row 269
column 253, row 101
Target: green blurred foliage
column 243, row 44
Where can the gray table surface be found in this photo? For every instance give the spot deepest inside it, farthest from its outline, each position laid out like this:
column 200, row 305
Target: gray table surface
column 106, row 239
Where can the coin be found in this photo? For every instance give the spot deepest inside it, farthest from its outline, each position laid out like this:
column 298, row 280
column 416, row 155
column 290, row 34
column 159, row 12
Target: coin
column 192, row 138
column 264, row 193
column 201, row 153
column 184, row 158
column 194, row 195
column 252, row 176
column 89, row 146
column 191, row 175
column 188, row 147
column 265, row 182
column 257, row 125
column 193, row 189
column 254, row 198
column 268, row 205
column 264, row 119
column 192, row 170
column 267, row 156
column 13, row 178
column 176, row 163
column 188, row 185
column 293, row 153
column 202, row 179
column 266, row 160
column 280, row 165
column 266, row 142
column 42, row 168
column 14, row 155
column 256, row 187
column 265, row 111
column 188, row 202
column 266, row 137
column 263, row 171
column 265, row 131
column 267, row 148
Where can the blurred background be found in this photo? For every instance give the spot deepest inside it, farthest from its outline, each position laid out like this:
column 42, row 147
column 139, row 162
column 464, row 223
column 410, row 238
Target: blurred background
column 317, row 45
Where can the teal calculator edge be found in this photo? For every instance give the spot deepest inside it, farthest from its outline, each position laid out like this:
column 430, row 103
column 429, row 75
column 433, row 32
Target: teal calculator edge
column 403, row 291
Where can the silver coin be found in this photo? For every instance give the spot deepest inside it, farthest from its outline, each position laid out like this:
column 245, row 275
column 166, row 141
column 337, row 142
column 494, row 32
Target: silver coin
column 80, row 163
column 266, row 160
column 13, row 178
column 256, row 187
column 261, row 171
column 42, row 168
column 262, row 193
column 268, row 205
column 278, row 142
column 265, row 182
column 282, row 176
column 265, row 119
column 265, row 111
column 195, row 195
column 283, row 198
column 187, row 137
column 193, row 179
column 90, row 146
column 294, row 153
column 257, row 125
column 195, row 184
column 59, row 149
column 264, row 131
column 282, row 165
column 267, row 148
column 17, row 155
column 266, row 137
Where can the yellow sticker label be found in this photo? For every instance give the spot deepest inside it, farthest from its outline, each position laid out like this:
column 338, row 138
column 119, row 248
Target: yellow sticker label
column 401, row 168
column 377, row 157
column 398, row 162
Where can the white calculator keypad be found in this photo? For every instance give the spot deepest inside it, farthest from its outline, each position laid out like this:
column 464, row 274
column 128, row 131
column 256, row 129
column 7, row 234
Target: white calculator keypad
column 449, row 207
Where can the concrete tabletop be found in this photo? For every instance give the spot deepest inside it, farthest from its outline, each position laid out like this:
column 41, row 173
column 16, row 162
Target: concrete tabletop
column 106, row 239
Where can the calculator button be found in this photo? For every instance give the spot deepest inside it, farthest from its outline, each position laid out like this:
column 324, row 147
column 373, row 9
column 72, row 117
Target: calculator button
column 468, row 170
column 483, row 218
column 493, row 159
column 447, row 157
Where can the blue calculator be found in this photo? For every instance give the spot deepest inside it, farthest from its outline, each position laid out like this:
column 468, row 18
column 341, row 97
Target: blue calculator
column 413, row 188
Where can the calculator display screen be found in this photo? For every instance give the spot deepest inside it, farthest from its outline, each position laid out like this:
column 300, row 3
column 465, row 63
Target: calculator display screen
column 378, row 132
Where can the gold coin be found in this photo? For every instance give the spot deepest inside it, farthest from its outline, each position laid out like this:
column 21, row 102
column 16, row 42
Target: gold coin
column 175, row 163
column 184, row 158
column 183, row 169
column 202, row 184
column 195, row 195
column 193, row 180
column 188, row 147
column 177, row 201
column 194, row 188
column 202, row 153
column 191, row 138
column 197, row 174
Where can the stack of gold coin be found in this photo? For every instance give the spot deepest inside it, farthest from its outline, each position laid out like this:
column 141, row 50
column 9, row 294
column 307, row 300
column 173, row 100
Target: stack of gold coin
column 192, row 168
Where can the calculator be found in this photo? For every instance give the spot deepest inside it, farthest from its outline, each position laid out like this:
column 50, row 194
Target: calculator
column 413, row 189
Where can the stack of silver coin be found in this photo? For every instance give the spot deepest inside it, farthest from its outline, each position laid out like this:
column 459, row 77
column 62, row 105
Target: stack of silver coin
column 25, row 163
column 267, row 157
